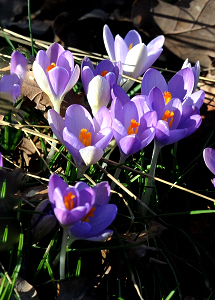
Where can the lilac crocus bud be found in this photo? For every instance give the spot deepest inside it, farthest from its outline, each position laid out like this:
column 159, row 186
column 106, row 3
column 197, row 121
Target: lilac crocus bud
column 195, row 70
column 55, row 73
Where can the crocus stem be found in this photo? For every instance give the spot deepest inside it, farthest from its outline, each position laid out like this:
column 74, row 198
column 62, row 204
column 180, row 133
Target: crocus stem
column 118, row 171
column 57, row 258
column 54, row 144
column 63, row 253
column 150, row 184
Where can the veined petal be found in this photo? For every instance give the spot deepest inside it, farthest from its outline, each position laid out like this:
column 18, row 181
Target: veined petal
column 155, row 44
column 73, row 144
column 66, row 56
column 98, row 93
column 18, row 64
column 109, row 42
column 151, row 58
column 209, row 158
column 195, row 99
column 56, row 123
column 43, row 60
column 157, row 102
column 91, row 155
column 86, row 76
column 102, row 192
column 119, row 130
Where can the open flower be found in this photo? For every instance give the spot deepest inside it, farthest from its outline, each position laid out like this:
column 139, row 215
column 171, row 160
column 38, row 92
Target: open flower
column 55, row 73
column 133, row 124
column 11, row 83
column 93, row 226
column 84, row 137
column 175, row 119
column 98, row 82
column 70, row 204
column 195, row 70
column 209, row 158
column 135, row 56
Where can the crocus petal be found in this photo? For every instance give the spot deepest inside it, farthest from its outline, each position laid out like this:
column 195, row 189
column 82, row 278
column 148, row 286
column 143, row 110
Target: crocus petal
column 98, row 93
column 130, row 144
column 42, row 80
column 43, row 60
column 103, row 138
column 72, row 80
column 73, row 144
column 54, row 182
column 109, row 42
column 77, row 118
column 102, row 192
column 66, row 61
column 18, row 64
column 195, row 99
column 54, row 51
column 101, row 237
column 209, row 158
column 80, row 229
column 153, row 78
column 86, row 76
column 56, row 123
column 181, row 84
column 103, row 217
column 132, row 38
column 102, row 119
column 69, row 217
column 119, row 130
column 157, row 102
column 91, row 155
column 58, row 77
column 121, row 49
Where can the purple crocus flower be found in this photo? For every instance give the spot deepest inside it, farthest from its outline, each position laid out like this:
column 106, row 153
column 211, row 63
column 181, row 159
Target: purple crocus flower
column 133, row 123
column 209, row 158
column 70, row 204
column 84, row 137
column 195, row 70
column 55, row 73
column 135, row 56
column 176, row 119
column 98, row 82
column 93, row 226
column 11, row 83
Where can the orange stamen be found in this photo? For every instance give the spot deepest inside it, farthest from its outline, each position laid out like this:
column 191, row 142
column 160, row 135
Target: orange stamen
column 134, row 125
column 68, row 202
column 52, row 65
column 167, row 96
column 90, row 214
column 85, row 137
column 168, row 115
column 130, row 46
column 103, row 73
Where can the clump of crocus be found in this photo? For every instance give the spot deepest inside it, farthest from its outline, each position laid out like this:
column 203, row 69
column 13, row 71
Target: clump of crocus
column 195, row 69
column 135, row 56
column 70, row 205
column 98, row 82
column 55, row 73
column 11, row 83
column 94, row 225
column 209, row 158
column 84, row 137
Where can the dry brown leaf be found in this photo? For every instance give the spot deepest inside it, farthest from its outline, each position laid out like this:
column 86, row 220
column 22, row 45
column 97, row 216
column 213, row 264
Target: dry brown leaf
column 188, row 26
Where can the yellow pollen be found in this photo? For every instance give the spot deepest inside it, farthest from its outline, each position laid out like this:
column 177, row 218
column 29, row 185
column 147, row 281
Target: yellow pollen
column 168, row 115
column 103, row 73
column 130, row 46
column 167, row 96
column 134, row 125
column 90, row 214
column 68, row 202
column 52, row 65
column 85, row 137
